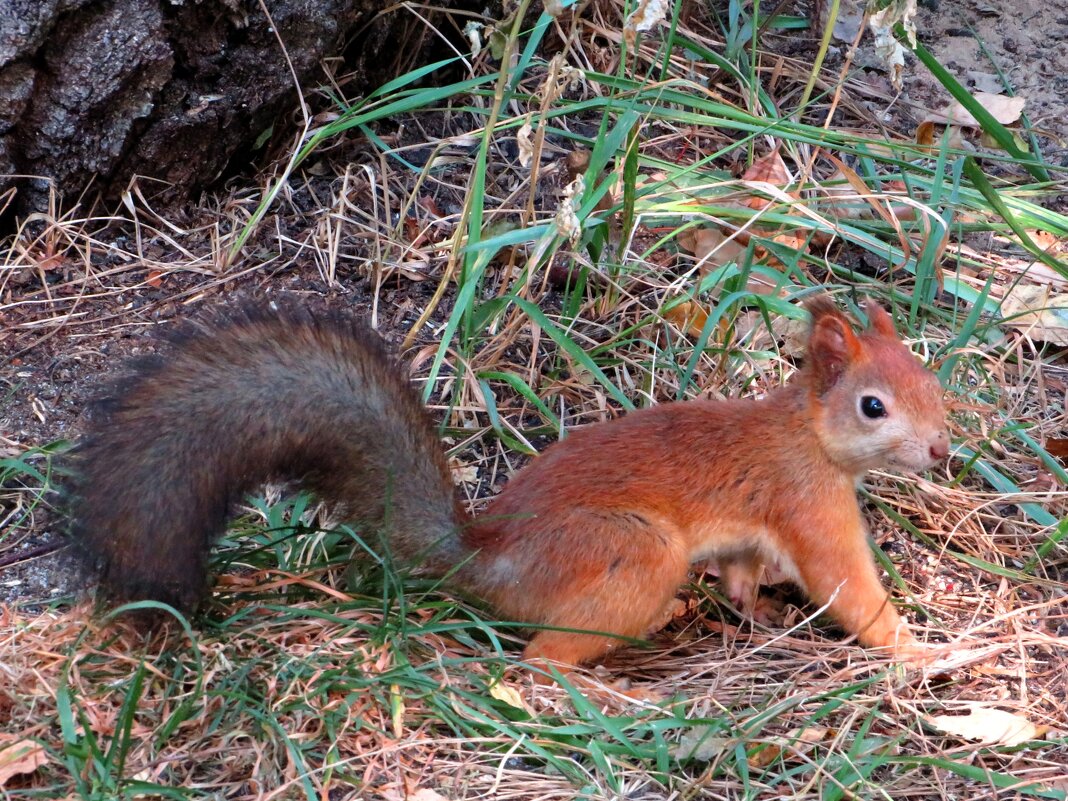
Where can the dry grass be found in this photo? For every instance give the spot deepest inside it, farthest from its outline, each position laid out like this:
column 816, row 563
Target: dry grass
column 291, row 686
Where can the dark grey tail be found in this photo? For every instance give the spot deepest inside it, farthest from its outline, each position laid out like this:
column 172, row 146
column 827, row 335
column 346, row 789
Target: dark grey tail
column 241, row 401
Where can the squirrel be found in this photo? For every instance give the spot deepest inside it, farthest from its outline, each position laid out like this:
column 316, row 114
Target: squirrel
column 591, row 540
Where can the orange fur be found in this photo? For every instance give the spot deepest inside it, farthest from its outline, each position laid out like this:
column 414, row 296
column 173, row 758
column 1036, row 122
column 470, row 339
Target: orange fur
column 599, row 531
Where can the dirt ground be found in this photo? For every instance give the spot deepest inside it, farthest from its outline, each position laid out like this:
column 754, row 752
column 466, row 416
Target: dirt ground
column 1000, row 47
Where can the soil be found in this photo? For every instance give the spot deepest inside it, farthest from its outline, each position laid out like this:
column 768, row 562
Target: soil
column 999, row 48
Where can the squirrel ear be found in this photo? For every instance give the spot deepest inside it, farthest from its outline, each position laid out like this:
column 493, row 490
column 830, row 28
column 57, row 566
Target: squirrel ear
column 879, row 320
column 832, row 345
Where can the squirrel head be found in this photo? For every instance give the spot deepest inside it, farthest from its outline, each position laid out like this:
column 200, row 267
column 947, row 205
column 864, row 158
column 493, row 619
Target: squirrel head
column 874, row 402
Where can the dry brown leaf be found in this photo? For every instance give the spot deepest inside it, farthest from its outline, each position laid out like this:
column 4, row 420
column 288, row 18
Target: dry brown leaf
column 508, row 694
column 712, row 247
column 797, row 741
column 697, row 743
column 1002, row 108
column 769, row 169
column 1037, row 312
column 1057, row 446
column 19, row 758
column 524, row 138
column 644, row 17
column 463, row 473
column 811, row 734
column 689, row 317
column 790, row 240
column 426, row 794
column 766, row 755
column 768, row 280
column 952, row 138
column 988, row 726
column 925, row 133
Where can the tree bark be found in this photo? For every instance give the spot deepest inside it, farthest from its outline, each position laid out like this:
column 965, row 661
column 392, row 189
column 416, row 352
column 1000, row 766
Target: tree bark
column 93, row 92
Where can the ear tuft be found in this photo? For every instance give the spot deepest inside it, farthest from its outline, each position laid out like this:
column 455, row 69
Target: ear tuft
column 879, row 320
column 821, row 305
column 832, row 345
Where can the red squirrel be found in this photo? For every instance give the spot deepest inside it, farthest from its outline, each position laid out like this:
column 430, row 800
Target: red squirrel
column 596, row 534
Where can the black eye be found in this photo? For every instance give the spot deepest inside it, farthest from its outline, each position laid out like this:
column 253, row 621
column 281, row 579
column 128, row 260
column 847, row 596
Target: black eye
column 872, row 407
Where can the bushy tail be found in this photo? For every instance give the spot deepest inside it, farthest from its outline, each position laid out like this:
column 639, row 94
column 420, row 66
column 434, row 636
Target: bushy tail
column 239, row 402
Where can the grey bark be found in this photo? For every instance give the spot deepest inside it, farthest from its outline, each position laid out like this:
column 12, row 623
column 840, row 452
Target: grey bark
column 93, row 92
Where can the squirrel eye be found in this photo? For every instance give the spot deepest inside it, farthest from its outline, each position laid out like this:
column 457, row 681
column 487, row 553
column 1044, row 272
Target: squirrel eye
column 872, row 407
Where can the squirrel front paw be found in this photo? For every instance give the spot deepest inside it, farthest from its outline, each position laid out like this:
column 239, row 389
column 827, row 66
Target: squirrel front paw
column 911, row 653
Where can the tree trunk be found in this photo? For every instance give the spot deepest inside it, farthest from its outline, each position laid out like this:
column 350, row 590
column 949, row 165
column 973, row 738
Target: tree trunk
column 93, row 92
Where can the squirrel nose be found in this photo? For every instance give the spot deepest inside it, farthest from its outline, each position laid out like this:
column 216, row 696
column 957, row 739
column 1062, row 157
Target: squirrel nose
column 940, row 446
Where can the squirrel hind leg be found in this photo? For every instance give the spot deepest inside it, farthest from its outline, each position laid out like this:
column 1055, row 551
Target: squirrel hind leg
column 739, row 576
column 565, row 649
column 621, row 588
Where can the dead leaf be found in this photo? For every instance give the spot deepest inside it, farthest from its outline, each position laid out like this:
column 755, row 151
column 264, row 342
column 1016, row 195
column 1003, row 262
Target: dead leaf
column 1002, row 108
column 1037, row 312
column 847, row 26
column 987, row 726
column 770, row 169
column 524, row 139
column 794, row 335
column 463, row 473
column 988, row 140
column 765, row 286
column 431, row 206
column 887, row 48
column 689, row 317
column 1057, row 446
column 925, row 133
column 697, row 743
column 19, row 758
column 643, row 18
column 952, row 137
column 797, row 741
column 508, row 694
column 426, row 794
column 711, row 247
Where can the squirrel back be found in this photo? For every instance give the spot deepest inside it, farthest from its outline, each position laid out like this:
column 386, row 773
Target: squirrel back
column 250, row 398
